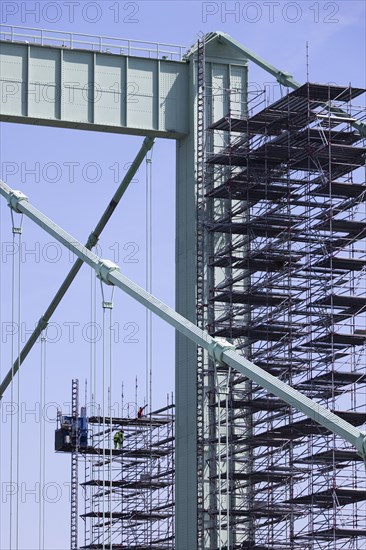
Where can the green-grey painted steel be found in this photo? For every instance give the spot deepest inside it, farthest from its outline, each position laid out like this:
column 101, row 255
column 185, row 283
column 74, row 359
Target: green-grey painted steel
column 95, row 91
column 185, row 351
column 220, row 351
column 226, row 68
column 226, row 40
column 90, row 90
column 91, row 243
column 71, row 88
column 283, row 78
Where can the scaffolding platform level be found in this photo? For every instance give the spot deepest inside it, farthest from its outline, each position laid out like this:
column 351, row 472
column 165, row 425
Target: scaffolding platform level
column 285, row 228
column 128, row 491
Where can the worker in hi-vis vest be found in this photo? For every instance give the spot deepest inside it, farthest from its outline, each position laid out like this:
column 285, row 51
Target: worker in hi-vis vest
column 118, row 439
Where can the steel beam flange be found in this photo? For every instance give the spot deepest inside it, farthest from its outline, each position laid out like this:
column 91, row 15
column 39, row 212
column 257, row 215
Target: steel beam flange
column 14, row 199
column 106, row 267
column 217, row 348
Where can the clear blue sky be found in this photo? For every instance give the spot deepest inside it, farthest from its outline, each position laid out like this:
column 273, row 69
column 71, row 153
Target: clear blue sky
column 277, row 31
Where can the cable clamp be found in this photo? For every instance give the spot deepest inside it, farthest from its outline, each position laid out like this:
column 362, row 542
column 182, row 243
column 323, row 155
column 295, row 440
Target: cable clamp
column 14, row 199
column 92, row 240
column 217, row 348
column 106, row 267
column 42, row 324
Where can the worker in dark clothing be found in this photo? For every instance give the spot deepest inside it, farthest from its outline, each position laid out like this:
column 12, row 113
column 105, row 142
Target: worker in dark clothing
column 119, row 439
column 140, row 412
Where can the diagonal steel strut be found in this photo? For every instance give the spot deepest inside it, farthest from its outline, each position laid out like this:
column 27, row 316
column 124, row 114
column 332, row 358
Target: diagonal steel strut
column 91, row 242
column 221, row 352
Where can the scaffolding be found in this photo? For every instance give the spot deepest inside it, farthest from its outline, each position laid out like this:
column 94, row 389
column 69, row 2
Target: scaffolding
column 128, row 490
column 285, row 227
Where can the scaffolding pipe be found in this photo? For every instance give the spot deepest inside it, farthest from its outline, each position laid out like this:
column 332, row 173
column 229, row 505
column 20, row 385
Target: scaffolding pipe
column 222, row 352
column 282, row 77
column 91, row 242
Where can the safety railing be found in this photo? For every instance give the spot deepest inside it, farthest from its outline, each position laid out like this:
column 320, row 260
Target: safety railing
column 105, row 44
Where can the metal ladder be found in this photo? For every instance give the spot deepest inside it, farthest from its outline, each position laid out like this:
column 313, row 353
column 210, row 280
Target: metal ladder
column 74, row 464
column 200, row 295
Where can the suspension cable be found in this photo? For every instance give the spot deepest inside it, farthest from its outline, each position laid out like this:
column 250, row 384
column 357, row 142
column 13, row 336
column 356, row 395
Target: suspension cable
column 148, row 277
column 92, row 405
column 107, row 305
column 93, row 356
column 103, row 412
column 1, row 435
column 12, row 389
column 15, row 297
column 42, row 447
column 19, row 321
column 148, row 317
column 1, row 376
column 110, row 418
